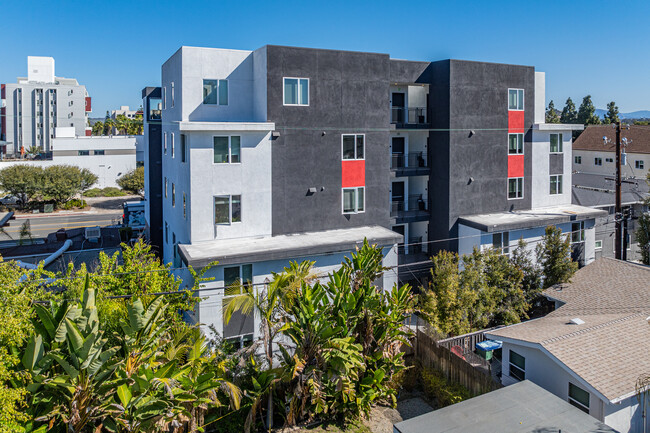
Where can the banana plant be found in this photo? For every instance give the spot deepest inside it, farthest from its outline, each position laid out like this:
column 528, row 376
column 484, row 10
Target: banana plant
column 69, row 364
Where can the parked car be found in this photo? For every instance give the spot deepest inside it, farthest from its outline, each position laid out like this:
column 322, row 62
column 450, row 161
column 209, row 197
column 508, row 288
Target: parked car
column 10, row 200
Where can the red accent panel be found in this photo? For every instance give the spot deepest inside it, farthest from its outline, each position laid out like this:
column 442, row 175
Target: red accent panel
column 2, row 91
column 88, row 104
column 516, row 121
column 89, row 132
column 515, row 166
column 353, row 173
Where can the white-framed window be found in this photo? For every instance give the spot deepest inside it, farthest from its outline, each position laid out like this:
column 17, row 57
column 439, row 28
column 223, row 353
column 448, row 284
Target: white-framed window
column 517, row 364
column 639, row 164
column 295, row 91
column 501, row 242
column 516, row 99
column 353, row 146
column 598, row 245
column 578, row 397
column 184, row 206
column 173, row 195
column 165, row 188
column 354, row 200
column 183, row 148
column 515, row 188
column 166, row 233
column 239, row 330
column 577, row 159
column 227, row 209
column 165, row 143
column 555, row 184
column 173, row 96
column 226, row 149
column 171, row 143
column 577, row 232
column 165, row 98
column 556, row 143
column 516, row 144
column 215, row 92
column 598, row 161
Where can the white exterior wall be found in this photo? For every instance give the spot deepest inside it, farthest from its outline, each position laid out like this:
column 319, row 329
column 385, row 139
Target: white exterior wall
column 609, row 168
column 547, row 373
column 108, row 167
column 540, row 97
column 541, row 147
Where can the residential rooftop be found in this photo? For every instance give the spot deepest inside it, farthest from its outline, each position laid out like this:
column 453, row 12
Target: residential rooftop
column 609, row 350
column 520, row 408
column 592, row 139
column 599, row 190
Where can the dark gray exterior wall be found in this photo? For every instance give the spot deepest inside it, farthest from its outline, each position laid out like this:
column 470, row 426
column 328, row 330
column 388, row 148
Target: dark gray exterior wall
column 154, row 171
column 348, row 94
column 469, row 171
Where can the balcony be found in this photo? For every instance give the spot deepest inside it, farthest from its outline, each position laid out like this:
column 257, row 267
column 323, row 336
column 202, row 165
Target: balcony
column 410, row 164
column 409, row 117
column 415, row 209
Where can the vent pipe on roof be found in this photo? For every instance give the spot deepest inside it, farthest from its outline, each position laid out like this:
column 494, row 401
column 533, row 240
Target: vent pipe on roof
column 577, row 321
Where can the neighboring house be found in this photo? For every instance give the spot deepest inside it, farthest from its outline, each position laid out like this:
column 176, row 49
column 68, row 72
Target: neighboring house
column 520, row 408
column 592, row 349
column 34, row 106
column 592, row 155
column 599, row 191
column 292, row 145
column 107, row 157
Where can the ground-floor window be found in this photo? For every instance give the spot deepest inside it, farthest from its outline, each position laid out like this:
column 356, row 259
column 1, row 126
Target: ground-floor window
column 239, row 330
column 501, row 242
column 515, row 187
column 354, row 200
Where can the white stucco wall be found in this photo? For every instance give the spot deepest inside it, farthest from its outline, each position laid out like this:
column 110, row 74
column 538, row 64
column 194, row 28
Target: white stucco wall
column 541, row 147
column 540, row 97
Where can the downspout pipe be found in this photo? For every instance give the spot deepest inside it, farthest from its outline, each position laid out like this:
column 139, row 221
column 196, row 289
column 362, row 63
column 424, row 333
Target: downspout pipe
column 58, row 253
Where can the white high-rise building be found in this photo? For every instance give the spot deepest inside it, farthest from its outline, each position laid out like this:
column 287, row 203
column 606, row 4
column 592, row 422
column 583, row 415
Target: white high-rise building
column 37, row 104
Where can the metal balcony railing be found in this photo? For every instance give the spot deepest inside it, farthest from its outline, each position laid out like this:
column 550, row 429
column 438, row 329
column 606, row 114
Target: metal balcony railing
column 409, row 160
column 409, row 115
column 417, row 204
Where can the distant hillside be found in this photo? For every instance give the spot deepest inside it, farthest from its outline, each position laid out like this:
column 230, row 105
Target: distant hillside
column 641, row 114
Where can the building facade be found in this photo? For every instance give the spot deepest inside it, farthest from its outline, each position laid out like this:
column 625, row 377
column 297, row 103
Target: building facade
column 34, row 106
column 263, row 149
column 153, row 185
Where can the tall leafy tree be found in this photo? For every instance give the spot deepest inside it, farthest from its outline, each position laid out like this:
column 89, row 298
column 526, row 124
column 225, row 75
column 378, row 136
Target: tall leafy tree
column 523, row 258
column 612, row 114
column 569, row 113
column 98, row 128
column 552, row 115
column 587, row 112
column 22, row 180
column 62, row 182
column 554, row 256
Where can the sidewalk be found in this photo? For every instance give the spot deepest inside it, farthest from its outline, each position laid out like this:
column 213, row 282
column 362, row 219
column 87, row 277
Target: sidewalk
column 98, row 205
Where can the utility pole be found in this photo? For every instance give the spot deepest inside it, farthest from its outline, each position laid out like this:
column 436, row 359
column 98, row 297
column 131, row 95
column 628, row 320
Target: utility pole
column 617, row 213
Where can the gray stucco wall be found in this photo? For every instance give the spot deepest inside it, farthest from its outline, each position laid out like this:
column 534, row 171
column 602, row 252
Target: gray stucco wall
column 348, row 94
column 478, row 101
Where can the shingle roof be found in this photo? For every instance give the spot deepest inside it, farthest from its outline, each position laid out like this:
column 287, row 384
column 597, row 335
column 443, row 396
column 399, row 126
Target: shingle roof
column 592, row 139
column 591, row 189
column 611, row 349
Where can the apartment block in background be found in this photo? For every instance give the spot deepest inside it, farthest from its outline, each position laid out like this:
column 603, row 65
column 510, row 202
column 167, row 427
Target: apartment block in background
column 37, row 104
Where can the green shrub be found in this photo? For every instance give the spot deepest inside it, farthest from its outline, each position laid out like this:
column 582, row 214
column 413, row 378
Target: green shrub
column 94, row 192
column 437, row 386
column 74, row 203
column 111, row 191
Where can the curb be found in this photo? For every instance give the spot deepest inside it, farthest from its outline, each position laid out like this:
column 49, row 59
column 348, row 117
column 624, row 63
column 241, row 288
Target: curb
column 62, row 214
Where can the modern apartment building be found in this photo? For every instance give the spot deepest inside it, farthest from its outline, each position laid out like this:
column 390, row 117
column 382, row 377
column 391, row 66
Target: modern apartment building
column 287, row 153
column 34, row 106
column 153, row 185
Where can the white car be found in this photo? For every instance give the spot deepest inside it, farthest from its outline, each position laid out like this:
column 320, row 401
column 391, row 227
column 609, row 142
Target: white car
column 9, row 200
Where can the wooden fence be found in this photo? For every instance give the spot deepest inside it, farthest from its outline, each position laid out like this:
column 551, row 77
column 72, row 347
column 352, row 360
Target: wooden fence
column 470, row 371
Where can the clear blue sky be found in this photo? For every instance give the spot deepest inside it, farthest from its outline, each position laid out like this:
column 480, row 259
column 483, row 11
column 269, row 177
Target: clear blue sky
column 116, row 48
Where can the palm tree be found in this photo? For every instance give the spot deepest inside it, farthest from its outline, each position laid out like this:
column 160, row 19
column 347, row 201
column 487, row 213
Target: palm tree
column 122, row 123
column 271, row 304
column 109, row 124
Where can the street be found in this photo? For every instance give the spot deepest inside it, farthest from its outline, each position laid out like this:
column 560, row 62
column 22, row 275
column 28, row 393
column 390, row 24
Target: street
column 41, row 226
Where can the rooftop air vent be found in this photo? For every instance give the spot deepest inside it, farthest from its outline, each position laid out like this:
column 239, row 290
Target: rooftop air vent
column 577, row 321
column 93, row 234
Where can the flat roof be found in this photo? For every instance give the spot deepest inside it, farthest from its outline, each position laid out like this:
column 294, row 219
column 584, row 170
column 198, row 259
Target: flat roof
column 520, row 408
column 226, row 126
column 558, row 127
column 524, row 219
column 258, row 249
